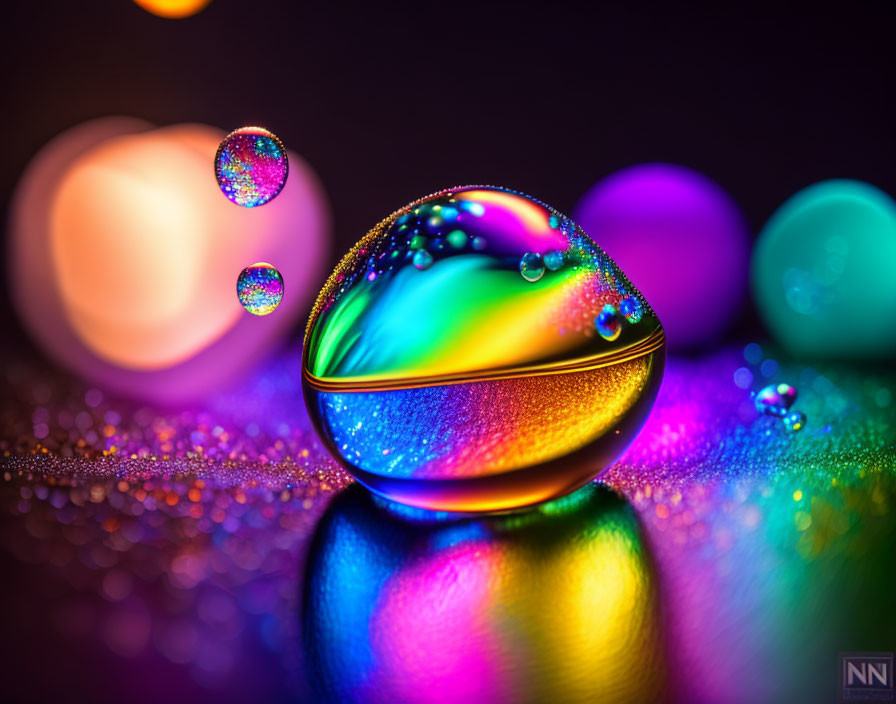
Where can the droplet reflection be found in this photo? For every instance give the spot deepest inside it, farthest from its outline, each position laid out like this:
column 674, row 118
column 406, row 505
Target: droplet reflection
column 558, row 603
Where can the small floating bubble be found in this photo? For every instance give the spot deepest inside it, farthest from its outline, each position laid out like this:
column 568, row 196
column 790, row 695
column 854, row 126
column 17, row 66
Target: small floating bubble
column 775, row 400
column 260, row 288
column 479, row 243
column 631, row 308
column 553, row 260
column 532, row 266
column 422, row 259
column 794, row 421
column 607, row 323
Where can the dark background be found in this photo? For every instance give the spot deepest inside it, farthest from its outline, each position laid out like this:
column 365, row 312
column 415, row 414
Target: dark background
column 388, row 104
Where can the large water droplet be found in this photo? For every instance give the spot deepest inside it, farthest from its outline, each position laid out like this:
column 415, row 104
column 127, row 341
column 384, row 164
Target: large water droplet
column 631, row 309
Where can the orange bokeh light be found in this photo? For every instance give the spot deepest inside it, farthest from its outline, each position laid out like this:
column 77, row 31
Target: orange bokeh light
column 124, row 257
column 173, row 9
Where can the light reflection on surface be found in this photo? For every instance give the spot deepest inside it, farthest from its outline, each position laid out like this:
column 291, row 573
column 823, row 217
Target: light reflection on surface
column 555, row 604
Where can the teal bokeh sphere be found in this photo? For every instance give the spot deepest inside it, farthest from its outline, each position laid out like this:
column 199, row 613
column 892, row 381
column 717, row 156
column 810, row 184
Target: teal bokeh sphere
column 824, row 272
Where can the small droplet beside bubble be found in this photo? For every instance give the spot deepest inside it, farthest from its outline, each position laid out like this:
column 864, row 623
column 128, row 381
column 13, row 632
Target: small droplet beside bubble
column 553, row 260
column 422, row 259
column 479, row 243
column 631, row 308
column 794, row 421
column 607, row 323
column 531, row 266
column 457, row 239
column 260, row 288
column 251, row 166
column 775, row 400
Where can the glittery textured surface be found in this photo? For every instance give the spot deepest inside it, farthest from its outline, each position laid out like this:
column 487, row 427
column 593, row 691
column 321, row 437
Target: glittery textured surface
column 251, row 166
column 456, row 376
column 173, row 547
column 260, row 288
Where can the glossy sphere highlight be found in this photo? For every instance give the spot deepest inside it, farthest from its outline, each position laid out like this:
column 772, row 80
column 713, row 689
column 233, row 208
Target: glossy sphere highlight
column 251, row 166
column 681, row 237
column 465, row 385
column 823, row 272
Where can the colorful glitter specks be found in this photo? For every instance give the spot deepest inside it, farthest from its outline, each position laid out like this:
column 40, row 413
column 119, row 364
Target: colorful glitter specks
column 251, row 166
column 260, row 288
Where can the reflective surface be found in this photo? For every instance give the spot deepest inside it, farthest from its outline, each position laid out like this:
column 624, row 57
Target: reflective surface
column 152, row 553
column 477, row 351
column 399, row 610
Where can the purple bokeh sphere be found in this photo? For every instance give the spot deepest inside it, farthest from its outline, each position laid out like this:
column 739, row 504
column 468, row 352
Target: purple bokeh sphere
column 682, row 241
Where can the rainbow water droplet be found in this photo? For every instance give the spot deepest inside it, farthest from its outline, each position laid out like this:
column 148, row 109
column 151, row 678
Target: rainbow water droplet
column 260, row 288
column 251, row 166
column 531, row 266
column 775, row 400
column 794, row 421
column 607, row 323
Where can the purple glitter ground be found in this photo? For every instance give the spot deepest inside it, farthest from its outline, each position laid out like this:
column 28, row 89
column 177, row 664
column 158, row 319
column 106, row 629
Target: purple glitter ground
column 168, row 545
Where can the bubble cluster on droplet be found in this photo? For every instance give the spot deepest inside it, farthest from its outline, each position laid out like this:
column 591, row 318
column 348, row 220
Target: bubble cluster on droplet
column 251, row 166
column 260, row 288
column 446, row 224
column 632, row 309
